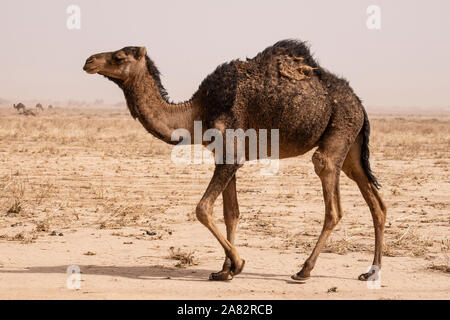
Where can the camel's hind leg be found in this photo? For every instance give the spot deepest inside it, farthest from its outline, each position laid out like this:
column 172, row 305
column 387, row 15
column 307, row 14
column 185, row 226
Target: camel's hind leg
column 328, row 160
column 354, row 170
column 231, row 217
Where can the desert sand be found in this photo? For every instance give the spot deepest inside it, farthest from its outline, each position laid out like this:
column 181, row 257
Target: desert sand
column 90, row 188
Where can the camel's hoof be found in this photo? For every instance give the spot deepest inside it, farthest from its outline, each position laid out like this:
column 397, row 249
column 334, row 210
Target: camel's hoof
column 365, row 276
column 235, row 270
column 220, row 276
column 300, row 277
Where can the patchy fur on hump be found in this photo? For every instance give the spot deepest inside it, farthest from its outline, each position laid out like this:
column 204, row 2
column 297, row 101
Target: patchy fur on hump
column 289, row 47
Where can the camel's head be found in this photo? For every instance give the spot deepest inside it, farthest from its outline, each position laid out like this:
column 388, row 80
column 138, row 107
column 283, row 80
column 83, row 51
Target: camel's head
column 118, row 64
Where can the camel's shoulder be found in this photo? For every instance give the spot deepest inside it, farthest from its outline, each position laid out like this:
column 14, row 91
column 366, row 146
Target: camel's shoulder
column 218, row 89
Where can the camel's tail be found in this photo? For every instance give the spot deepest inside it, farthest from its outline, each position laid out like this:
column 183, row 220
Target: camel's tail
column 365, row 153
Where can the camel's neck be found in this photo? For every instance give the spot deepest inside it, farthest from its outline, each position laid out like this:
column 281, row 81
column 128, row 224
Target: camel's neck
column 158, row 116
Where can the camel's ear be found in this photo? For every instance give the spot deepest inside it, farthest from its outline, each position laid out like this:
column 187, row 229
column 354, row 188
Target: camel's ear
column 142, row 52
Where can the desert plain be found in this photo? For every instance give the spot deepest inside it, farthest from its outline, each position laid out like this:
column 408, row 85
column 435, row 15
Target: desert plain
column 89, row 187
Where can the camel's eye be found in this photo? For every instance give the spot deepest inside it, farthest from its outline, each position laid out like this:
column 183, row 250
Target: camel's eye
column 118, row 59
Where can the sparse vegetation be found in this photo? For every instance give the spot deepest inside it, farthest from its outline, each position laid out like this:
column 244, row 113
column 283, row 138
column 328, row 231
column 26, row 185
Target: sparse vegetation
column 184, row 259
column 74, row 170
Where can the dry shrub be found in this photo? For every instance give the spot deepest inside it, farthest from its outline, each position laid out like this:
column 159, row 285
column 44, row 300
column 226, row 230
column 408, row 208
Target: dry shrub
column 14, row 192
column 43, row 226
column 408, row 243
column 43, row 192
column 16, row 207
column 119, row 216
column 341, row 246
column 444, row 263
column 23, row 237
column 184, row 258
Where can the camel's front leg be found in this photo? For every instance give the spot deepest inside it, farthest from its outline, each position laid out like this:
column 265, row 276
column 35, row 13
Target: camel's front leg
column 223, row 174
column 231, row 217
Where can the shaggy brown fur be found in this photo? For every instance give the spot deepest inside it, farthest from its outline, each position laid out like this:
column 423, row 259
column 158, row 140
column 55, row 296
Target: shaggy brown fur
column 281, row 88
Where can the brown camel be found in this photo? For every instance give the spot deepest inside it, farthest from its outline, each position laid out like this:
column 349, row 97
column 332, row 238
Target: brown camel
column 281, row 88
column 39, row 107
column 19, row 107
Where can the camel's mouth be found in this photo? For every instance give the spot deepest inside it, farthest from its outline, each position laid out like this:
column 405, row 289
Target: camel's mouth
column 91, row 65
column 90, row 69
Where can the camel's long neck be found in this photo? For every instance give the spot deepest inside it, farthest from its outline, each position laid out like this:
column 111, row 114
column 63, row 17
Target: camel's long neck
column 157, row 115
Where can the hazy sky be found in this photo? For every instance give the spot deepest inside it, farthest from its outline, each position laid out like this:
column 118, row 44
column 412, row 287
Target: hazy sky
column 405, row 63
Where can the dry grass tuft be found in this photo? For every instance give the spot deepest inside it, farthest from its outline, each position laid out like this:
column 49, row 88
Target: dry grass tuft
column 14, row 191
column 409, row 242
column 43, row 226
column 184, row 258
column 44, row 192
column 22, row 237
column 15, row 208
column 120, row 215
column 342, row 246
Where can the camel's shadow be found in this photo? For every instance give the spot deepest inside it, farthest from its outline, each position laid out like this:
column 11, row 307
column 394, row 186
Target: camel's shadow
column 155, row 273
column 143, row 272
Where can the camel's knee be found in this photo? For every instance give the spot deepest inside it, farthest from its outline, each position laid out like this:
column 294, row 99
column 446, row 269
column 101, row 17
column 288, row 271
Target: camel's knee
column 203, row 213
column 331, row 220
column 322, row 163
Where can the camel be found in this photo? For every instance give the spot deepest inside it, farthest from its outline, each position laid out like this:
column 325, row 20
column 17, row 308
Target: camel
column 39, row 107
column 19, row 107
column 50, row 106
column 28, row 112
column 283, row 88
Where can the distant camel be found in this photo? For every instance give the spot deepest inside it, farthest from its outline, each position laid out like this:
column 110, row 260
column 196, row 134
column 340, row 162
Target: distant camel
column 50, row 106
column 28, row 112
column 282, row 88
column 39, row 107
column 20, row 106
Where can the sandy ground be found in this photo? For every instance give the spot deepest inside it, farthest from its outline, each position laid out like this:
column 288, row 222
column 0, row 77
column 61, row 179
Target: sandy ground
column 91, row 188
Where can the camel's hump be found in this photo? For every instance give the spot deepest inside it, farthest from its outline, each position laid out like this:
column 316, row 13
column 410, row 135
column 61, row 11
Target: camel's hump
column 290, row 47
